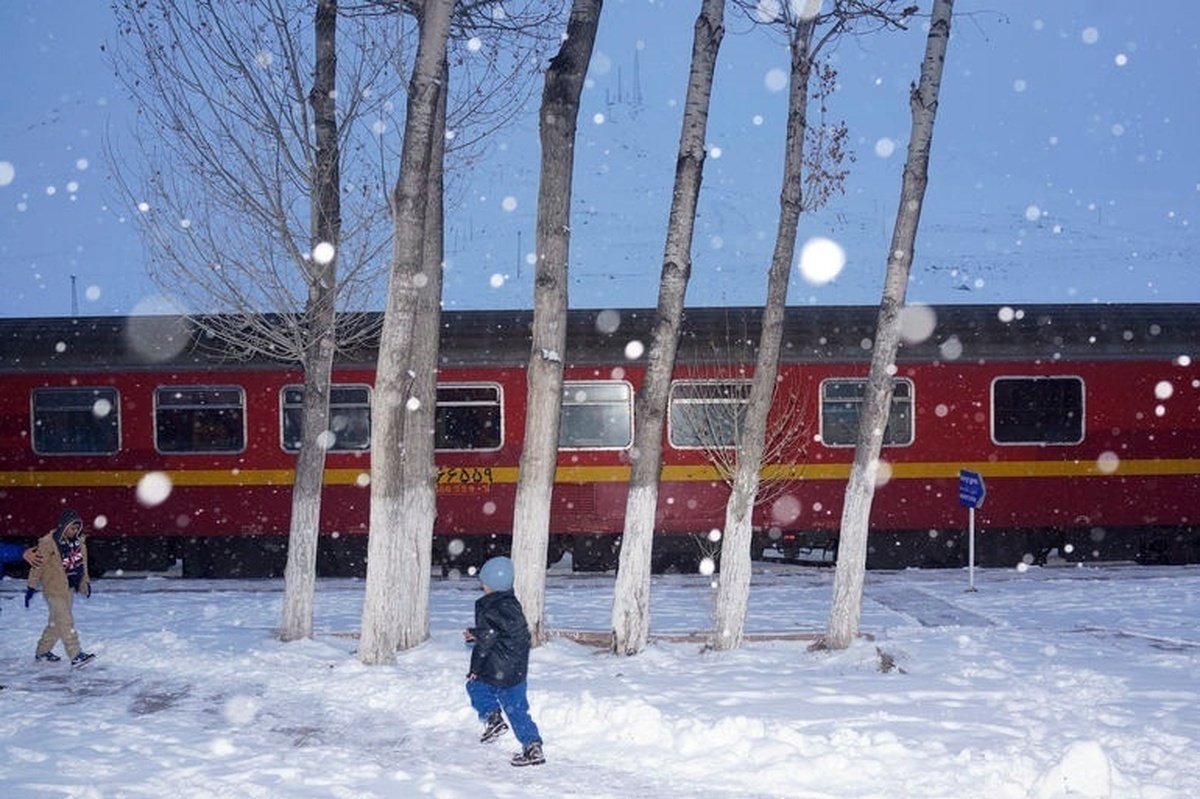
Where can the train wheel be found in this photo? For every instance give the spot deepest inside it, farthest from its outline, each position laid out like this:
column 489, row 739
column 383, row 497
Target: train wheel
column 595, row 553
column 554, row 551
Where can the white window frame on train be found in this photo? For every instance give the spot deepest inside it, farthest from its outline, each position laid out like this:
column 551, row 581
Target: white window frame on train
column 349, row 417
column 75, row 420
column 205, row 409
column 1048, row 411
column 707, row 414
column 596, row 414
column 469, row 417
column 840, row 412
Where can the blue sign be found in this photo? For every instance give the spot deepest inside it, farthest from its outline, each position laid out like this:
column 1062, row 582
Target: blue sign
column 970, row 489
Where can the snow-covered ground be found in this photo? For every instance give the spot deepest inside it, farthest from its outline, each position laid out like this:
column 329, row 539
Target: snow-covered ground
column 1046, row 682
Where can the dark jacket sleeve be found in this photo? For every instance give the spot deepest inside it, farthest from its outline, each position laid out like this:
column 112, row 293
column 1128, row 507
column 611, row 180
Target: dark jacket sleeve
column 85, row 582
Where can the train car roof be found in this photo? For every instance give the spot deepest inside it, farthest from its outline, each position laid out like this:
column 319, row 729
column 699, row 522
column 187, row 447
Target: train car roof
column 594, row 336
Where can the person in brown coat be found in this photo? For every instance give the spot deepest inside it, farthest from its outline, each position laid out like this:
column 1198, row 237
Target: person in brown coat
column 63, row 573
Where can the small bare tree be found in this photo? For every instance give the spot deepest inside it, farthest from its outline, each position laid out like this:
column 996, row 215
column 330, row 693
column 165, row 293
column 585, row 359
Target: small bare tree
column 846, row 607
column 708, row 411
column 718, row 427
column 539, row 455
column 631, row 595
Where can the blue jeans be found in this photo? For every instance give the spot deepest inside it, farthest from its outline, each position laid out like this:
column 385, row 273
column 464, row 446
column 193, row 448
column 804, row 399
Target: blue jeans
column 487, row 699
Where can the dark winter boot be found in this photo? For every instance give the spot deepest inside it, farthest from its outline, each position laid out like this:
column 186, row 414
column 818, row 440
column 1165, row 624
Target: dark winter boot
column 530, row 756
column 493, row 727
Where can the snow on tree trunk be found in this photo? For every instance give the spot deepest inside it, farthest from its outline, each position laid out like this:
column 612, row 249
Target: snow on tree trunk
column 416, row 544
column 539, row 456
column 379, row 638
column 733, row 588
column 300, row 574
column 846, row 608
column 733, row 583
column 631, row 595
column 392, row 534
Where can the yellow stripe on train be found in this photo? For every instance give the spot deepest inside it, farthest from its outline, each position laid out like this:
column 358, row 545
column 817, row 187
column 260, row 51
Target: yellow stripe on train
column 466, row 476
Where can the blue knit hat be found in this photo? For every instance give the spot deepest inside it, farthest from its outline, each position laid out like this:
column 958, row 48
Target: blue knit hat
column 497, row 574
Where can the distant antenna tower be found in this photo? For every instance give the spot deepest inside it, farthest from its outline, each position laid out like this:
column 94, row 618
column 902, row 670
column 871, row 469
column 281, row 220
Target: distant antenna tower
column 74, row 299
column 637, row 79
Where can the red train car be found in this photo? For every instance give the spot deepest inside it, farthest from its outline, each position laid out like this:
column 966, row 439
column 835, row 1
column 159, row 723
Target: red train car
column 1084, row 420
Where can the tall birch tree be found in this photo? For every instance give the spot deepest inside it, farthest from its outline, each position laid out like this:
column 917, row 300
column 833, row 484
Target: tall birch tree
column 558, row 118
column 495, row 54
column 320, row 310
column 733, row 586
column 809, row 32
column 631, row 594
column 396, row 491
column 845, row 609
column 420, row 473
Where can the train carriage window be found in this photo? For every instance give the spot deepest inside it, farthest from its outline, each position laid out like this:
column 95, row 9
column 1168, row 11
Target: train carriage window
column 468, row 418
column 1037, row 410
column 841, row 402
column 707, row 413
column 75, row 421
column 199, row 419
column 596, row 415
column 349, row 418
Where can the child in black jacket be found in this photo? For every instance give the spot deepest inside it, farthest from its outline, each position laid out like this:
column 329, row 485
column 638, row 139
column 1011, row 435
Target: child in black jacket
column 500, row 663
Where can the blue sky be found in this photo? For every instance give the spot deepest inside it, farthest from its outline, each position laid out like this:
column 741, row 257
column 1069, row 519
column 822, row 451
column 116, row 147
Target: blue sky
column 1064, row 164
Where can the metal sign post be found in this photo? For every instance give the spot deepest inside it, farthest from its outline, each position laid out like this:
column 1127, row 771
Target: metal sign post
column 971, row 492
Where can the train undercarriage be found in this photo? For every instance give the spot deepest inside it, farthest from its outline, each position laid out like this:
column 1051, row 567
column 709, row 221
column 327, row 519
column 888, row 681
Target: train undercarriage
column 346, row 556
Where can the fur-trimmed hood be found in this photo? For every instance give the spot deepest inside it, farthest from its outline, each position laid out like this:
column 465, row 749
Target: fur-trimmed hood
column 65, row 519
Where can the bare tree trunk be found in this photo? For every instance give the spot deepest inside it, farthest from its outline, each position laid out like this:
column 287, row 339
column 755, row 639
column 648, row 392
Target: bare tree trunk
column 733, row 588
column 631, row 595
column 539, row 456
column 391, row 529
column 300, row 575
column 420, row 473
column 846, row 608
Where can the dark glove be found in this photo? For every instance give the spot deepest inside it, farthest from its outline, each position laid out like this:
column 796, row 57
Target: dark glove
column 29, row 592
